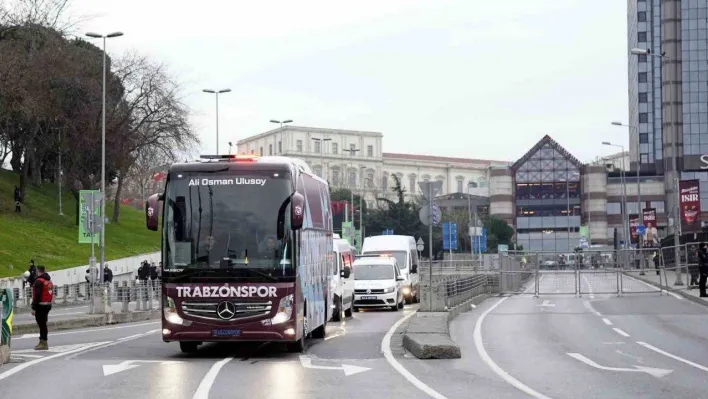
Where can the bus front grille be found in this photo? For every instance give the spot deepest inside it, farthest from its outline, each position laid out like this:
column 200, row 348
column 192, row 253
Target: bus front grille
column 208, row 310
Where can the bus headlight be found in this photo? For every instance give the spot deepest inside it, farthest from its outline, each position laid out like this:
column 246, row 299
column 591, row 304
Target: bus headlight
column 389, row 290
column 170, row 311
column 285, row 310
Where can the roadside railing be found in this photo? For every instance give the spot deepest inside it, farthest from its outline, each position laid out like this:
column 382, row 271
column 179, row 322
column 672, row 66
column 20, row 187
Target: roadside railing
column 137, row 295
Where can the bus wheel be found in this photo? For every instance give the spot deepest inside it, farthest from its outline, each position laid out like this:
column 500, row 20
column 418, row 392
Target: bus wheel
column 320, row 332
column 337, row 316
column 188, row 347
column 348, row 312
column 297, row 346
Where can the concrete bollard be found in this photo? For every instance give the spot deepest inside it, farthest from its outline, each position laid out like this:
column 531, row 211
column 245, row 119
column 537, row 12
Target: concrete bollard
column 135, row 294
column 67, row 292
column 125, row 297
column 144, row 296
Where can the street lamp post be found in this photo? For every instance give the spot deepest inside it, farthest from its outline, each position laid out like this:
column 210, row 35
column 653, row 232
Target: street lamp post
column 674, row 162
column 625, row 221
column 567, row 197
column 322, row 142
column 216, row 94
column 103, row 146
column 352, row 151
column 640, row 212
column 61, row 213
column 281, row 123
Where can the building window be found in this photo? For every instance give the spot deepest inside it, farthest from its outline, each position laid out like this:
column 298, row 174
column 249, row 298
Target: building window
column 384, row 182
column 643, row 98
column 318, row 146
column 459, row 186
column 261, row 151
column 335, row 177
column 658, row 205
column 411, row 185
column 642, row 58
column 270, row 149
column 614, row 208
column 642, row 37
column 470, row 186
column 642, row 77
column 298, row 145
column 643, row 117
column 352, row 178
column 370, row 179
column 642, row 16
column 352, row 149
column 280, row 147
column 644, row 158
column 335, row 148
column 370, row 151
column 483, row 182
column 318, row 170
column 643, row 138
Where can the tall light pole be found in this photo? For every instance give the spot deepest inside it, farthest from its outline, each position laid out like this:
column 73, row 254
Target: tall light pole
column 103, row 146
column 281, row 123
column 61, row 213
column 640, row 210
column 567, row 196
column 352, row 152
column 674, row 158
column 322, row 142
column 625, row 221
column 216, row 94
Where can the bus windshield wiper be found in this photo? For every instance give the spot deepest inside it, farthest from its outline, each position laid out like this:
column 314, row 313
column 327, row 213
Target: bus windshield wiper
column 254, row 272
column 196, row 272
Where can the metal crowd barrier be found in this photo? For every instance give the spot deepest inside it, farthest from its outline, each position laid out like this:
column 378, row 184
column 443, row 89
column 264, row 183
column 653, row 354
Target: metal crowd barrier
column 121, row 297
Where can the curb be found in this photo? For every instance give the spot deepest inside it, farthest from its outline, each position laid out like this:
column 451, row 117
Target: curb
column 430, row 339
column 684, row 294
column 4, row 354
column 88, row 321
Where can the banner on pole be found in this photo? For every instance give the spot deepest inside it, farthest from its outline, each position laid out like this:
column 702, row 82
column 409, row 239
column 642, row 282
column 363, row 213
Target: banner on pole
column 690, row 206
column 89, row 216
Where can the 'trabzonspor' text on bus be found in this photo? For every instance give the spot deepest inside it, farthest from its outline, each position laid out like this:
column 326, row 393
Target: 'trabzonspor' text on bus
column 224, row 291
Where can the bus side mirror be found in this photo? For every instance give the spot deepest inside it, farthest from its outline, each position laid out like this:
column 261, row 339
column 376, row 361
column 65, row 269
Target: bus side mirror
column 151, row 208
column 346, row 272
column 298, row 211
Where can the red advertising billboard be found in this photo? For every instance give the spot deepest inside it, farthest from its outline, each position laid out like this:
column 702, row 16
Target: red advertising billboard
column 690, row 206
column 651, row 237
column 633, row 223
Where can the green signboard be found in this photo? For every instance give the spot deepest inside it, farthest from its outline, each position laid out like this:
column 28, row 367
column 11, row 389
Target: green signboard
column 357, row 239
column 6, row 313
column 85, row 209
column 584, row 232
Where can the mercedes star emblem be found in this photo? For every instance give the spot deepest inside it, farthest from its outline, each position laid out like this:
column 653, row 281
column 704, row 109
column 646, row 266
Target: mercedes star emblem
column 226, row 310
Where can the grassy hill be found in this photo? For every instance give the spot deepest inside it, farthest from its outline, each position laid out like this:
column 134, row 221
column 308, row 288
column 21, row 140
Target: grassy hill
column 39, row 233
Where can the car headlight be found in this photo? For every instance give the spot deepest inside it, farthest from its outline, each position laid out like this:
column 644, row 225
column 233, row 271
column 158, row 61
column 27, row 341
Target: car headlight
column 285, row 310
column 389, row 290
column 406, row 290
column 170, row 311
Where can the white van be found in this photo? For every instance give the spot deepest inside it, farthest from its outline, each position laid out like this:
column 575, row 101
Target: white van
column 341, row 282
column 378, row 282
column 403, row 248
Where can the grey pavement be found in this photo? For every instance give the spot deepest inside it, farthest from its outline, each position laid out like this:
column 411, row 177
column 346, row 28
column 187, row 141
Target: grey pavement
column 67, row 312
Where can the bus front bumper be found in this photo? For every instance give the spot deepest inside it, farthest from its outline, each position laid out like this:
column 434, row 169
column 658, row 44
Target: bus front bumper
column 229, row 331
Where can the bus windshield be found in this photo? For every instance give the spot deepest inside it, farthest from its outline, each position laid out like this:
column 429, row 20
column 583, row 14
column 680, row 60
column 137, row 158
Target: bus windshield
column 228, row 220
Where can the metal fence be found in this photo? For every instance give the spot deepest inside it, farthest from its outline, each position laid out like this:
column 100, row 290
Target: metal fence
column 120, row 296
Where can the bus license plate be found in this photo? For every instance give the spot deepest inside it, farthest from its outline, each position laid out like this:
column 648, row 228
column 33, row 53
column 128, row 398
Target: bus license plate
column 223, row 332
column 368, row 298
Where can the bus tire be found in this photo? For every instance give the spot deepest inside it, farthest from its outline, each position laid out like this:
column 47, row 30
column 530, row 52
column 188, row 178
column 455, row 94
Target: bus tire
column 297, row 346
column 188, row 347
column 337, row 316
column 348, row 312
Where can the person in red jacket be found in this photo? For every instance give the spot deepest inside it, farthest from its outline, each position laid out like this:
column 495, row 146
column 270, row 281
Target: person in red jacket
column 42, row 296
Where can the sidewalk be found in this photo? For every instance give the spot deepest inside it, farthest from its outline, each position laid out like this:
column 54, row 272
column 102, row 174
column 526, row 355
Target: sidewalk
column 683, row 290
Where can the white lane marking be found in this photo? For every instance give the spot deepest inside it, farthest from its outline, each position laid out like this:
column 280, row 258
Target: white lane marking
column 113, row 343
column 547, row 303
column 673, row 294
column 386, row 349
column 473, row 306
column 327, row 338
column 109, row 369
column 620, row 332
column 478, row 343
column 607, row 321
column 25, row 355
column 656, row 372
column 26, row 336
column 348, row 369
column 209, row 378
column 23, row 366
column 680, row 359
column 591, row 309
column 590, row 292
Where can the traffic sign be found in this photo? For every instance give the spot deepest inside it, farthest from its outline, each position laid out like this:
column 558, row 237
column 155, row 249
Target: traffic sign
column 449, row 235
column 479, row 242
column 436, row 214
column 641, row 229
column 387, row 232
column 430, row 189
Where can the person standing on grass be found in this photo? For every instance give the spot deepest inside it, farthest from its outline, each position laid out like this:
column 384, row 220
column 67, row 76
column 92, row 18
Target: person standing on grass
column 42, row 297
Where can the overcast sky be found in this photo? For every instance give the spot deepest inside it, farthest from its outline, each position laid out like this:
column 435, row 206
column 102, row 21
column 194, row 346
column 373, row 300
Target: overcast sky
column 466, row 78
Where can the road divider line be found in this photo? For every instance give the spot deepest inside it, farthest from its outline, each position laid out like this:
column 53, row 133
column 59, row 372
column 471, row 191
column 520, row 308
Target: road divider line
column 606, row 321
column 209, row 378
column 113, row 343
column 89, row 330
column 680, row 359
column 23, row 366
column 620, row 332
column 386, row 349
column 589, row 307
column 478, row 343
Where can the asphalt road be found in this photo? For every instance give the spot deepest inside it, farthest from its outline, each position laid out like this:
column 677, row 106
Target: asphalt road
column 75, row 367
column 641, row 345
column 557, row 346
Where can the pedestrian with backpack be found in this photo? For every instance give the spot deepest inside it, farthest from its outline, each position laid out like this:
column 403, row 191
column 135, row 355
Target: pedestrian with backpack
column 42, row 297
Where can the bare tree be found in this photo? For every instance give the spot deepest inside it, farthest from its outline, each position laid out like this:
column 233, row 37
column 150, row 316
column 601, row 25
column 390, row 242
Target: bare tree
column 52, row 14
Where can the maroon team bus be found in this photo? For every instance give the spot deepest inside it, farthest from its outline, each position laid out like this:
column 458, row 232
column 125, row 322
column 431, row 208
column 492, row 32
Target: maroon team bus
column 246, row 247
